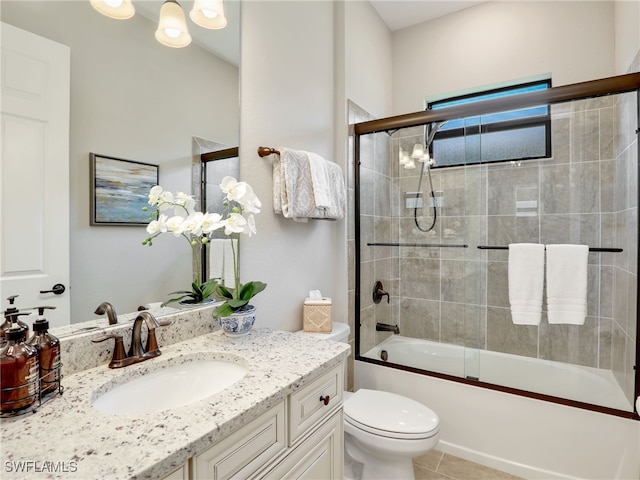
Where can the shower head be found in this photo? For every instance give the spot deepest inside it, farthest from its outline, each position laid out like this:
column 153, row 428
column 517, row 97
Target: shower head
column 430, row 132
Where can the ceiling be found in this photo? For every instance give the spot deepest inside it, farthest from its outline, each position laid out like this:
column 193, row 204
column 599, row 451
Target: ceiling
column 399, row 14
column 225, row 43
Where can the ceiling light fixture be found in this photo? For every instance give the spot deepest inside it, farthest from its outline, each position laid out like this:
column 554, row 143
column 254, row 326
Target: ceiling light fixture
column 172, row 27
column 208, row 14
column 118, row 9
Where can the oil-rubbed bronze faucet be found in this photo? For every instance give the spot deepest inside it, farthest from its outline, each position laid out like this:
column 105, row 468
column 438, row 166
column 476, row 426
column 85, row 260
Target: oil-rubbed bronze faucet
column 137, row 353
column 379, row 293
column 106, row 307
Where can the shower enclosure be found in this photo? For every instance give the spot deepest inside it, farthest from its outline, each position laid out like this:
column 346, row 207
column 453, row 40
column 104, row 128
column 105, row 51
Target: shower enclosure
column 446, row 274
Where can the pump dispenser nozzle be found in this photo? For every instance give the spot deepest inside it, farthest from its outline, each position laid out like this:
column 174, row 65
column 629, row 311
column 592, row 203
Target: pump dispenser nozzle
column 48, row 348
column 17, row 329
column 42, row 323
column 9, row 323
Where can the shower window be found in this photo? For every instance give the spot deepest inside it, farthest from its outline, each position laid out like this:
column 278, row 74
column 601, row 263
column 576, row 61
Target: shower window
column 506, row 136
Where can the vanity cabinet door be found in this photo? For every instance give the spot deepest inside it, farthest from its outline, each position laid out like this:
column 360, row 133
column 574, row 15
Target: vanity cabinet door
column 181, row 473
column 312, row 402
column 244, row 452
column 318, row 457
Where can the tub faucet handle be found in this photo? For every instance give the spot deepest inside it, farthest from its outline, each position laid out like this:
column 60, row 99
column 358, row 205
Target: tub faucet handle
column 379, row 293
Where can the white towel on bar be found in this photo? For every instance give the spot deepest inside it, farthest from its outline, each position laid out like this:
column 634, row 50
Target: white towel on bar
column 567, row 280
column 221, row 260
column 320, row 180
column 293, row 190
column 526, row 279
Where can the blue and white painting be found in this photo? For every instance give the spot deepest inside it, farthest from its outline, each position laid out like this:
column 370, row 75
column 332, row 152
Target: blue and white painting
column 122, row 189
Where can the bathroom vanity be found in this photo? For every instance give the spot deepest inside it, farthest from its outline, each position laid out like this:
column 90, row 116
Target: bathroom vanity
column 282, row 418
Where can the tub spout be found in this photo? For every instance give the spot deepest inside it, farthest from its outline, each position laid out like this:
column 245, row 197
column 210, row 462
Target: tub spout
column 385, row 327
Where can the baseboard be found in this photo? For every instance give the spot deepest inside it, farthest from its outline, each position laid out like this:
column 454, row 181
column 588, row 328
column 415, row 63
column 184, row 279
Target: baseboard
column 504, row 465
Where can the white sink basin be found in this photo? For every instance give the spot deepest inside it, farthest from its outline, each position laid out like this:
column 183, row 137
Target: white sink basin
column 170, row 387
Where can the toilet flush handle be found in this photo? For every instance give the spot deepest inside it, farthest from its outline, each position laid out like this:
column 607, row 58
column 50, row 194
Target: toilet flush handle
column 325, row 399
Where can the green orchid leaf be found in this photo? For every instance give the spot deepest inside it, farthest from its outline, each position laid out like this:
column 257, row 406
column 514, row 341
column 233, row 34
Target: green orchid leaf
column 185, row 292
column 251, row 289
column 223, row 291
column 189, row 295
column 208, row 289
column 223, row 310
column 237, row 303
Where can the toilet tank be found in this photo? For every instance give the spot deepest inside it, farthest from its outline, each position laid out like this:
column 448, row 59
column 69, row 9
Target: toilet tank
column 339, row 333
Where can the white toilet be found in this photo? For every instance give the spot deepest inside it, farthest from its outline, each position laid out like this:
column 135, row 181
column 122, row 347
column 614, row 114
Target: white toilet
column 383, row 431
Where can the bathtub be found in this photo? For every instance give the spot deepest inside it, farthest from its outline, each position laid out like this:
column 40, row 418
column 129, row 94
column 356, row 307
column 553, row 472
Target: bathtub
column 573, row 382
column 524, row 436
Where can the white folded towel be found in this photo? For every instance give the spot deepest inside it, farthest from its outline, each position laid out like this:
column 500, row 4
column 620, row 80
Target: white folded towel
column 526, row 279
column 567, row 283
column 221, row 260
column 320, row 180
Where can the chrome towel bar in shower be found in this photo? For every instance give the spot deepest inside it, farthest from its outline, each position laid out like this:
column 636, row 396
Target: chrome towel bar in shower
column 434, row 245
column 591, row 249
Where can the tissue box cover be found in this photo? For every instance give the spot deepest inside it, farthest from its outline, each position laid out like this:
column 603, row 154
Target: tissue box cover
column 317, row 315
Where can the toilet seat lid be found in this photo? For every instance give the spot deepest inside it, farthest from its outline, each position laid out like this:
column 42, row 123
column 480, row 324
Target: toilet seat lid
column 390, row 415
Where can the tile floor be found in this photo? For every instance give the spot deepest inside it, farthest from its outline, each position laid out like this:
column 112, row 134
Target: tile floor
column 435, row 465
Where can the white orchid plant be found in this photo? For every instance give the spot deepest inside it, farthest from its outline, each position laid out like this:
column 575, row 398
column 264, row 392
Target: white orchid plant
column 177, row 215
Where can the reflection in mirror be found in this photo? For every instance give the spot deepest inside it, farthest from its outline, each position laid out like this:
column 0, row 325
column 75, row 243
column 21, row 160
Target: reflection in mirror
column 217, row 261
column 132, row 98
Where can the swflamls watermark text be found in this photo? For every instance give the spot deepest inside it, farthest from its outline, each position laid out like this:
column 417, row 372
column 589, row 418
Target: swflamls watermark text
column 40, row 466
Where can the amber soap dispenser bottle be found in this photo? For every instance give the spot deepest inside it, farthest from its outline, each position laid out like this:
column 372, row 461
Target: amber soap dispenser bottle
column 10, row 320
column 19, row 371
column 48, row 348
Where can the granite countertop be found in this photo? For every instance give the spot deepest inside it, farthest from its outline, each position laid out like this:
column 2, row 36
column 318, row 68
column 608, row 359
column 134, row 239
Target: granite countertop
column 68, row 438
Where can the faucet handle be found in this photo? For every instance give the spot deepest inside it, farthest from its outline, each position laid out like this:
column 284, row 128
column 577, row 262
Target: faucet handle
column 379, row 293
column 119, row 355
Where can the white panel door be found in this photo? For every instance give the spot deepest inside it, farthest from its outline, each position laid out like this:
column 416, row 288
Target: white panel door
column 34, row 171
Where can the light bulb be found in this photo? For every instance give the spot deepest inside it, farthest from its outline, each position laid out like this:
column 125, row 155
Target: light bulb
column 172, row 27
column 118, row 9
column 208, row 14
column 403, row 157
column 418, row 151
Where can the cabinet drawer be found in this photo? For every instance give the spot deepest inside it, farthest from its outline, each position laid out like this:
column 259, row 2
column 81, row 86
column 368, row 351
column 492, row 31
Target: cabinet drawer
column 245, row 451
column 307, row 406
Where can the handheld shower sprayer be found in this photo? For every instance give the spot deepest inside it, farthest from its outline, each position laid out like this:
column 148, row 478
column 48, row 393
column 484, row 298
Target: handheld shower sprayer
column 430, row 131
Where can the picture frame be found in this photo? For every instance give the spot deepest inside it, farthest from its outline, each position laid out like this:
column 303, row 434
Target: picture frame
column 120, row 189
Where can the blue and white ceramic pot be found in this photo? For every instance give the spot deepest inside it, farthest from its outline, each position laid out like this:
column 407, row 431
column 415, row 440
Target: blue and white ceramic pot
column 239, row 323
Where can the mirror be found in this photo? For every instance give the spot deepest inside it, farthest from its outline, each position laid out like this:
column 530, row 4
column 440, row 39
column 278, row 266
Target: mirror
column 135, row 99
column 208, row 172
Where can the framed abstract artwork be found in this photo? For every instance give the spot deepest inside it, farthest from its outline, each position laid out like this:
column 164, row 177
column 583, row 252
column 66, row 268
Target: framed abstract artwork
column 120, row 189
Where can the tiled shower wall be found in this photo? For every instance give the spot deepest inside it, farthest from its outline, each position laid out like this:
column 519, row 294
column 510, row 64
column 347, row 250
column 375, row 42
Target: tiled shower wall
column 586, row 193
column 625, row 273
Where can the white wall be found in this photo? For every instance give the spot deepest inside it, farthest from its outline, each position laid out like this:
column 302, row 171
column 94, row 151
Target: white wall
column 627, row 35
column 287, row 65
column 499, row 41
column 136, row 99
column 368, row 54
